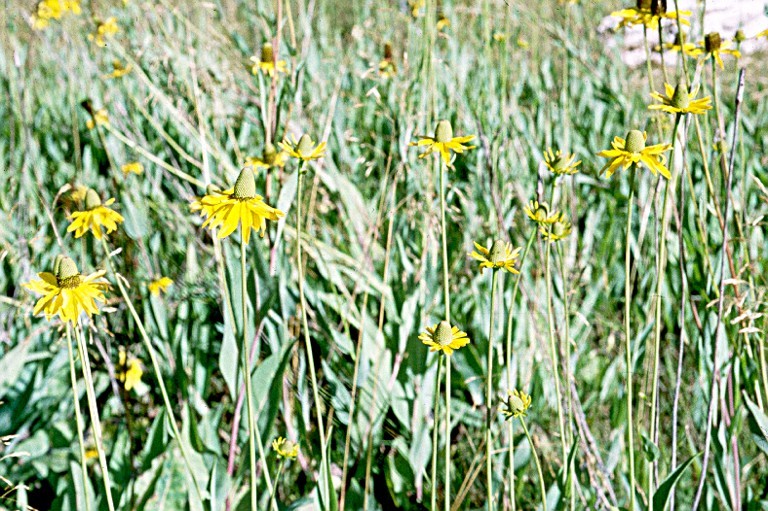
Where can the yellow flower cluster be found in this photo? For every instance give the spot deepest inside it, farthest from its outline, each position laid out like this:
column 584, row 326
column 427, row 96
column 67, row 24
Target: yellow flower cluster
column 104, row 31
column 48, row 10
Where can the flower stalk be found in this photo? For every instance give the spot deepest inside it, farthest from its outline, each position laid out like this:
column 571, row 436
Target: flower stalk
column 78, row 418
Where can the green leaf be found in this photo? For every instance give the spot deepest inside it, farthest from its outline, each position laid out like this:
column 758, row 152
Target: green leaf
column 566, row 473
column 758, row 426
column 661, row 496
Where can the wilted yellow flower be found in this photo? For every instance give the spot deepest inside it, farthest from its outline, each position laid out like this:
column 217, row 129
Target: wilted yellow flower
column 517, row 404
column 133, row 167
column 238, row 206
column 104, row 30
column 129, row 370
column 559, row 163
column 95, row 216
column 539, row 213
column 99, row 118
column 500, row 256
column 649, row 13
column 443, row 337
column 66, row 293
column 285, row 448
column 443, row 142
column 269, row 158
column 304, row 148
column 118, row 70
column 678, row 101
column 557, row 230
column 714, row 47
column 266, row 63
column 633, row 150
column 160, row 285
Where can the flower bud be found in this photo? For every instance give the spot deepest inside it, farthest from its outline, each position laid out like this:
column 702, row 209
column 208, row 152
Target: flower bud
column 635, row 141
column 269, row 154
column 443, row 333
column 740, row 36
column 245, row 186
column 304, row 147
column 92, row 199
column 267, row 55
column 443, row 131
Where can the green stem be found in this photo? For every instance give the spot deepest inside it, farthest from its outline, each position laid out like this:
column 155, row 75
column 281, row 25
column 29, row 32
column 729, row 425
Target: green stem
column 447, row 433
column 435, row 428
column 568, row 399
column 542, row 488
column 489, row 399
column 510, row 385
column 247, row 376
column 660, row 269
column 155, row 366
column 307, row 340
column 555, row 356
column 78, row 418
column 93, row 408
column 628, row 336
column 273, row 493
column 445, row 243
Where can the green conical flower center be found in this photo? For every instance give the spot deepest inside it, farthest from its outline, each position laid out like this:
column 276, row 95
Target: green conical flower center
column 643, row 5
column 498, row 252
column 67, row 275
column 712, row 42
column 680, row 98
column 443, row 132
column 635, row 141
column 560, row 228
column 443, row 334
column 245, row 186
column 269, row 154
column 515, row 404
column 561, row 162
column 540, row 213
column 92, row 199
column 304, row 147
column 267, row 55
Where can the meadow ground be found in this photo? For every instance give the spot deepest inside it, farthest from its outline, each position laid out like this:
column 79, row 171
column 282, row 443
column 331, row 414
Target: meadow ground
column 265, row 320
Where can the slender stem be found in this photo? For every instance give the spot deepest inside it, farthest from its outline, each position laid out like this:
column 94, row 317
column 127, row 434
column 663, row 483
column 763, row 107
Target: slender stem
column 489, row 399
column 273, row 493
column 93, row 408
column 447, row 433
column 305, row 330
column 555, row 356
column 628, row 336
column 542, row 488
column 568, row 399
column 435, row 427
column 660, row 271
column 446, row 290
column 510, row 316
column 156, row 367
column 247, row 377
column 78, row 418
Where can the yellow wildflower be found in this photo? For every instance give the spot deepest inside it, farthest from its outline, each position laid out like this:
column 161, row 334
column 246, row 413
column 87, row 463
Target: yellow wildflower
column 270, row 158
column 443, row 337
column 98, row 118
column 118, row 70
column 517, row 404
column 678, row 101
column 442, row 23
column 129, row 370
column 48, row 10
column 160, row 285
column 500, row 256
column 522, row 43
column 237, row 206
column 556, row 231
column 559, row 163
column 539, row 213
column 104, row 30
column 714, row 47
column 267, row 63
column 133, row 167
column 633, row 151
column 649, row 13
column 95, row 216
column 443, row 142
column 304, row 148
column 285, row 448
column 387, row 66
column 66, row 293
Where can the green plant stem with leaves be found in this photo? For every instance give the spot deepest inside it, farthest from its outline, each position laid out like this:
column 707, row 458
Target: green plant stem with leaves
column 510, row 383
column 155, row 366
column 489, row 398
column 628, row 335
column 78, row 419
column 93, row 409
column 554, row 352
column 324, row 471
column 542, row 488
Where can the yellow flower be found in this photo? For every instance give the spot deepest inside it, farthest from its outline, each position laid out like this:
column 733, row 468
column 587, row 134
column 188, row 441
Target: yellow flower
column 678, row 101
column 48, row 10
column 66, row 293
column 522, row 43
column 500, row 256
column 78, row 193
column 539, row 213
column 443, row 142
column 499, row 37
column 714, row 47
column 633, row 151
column 270, row 158
column 304, row 148
column 237, row 206
column 267, row 63
column 99, row 118
column 556, row 231
column 285, row 448
column 559, row 163
column 517, row 404
column 443, row 337
column 416, row 6
column 160, row 285
column 689, row 49
column 442, row 23
column 132, row 167
column 118, row 70
column 764, row 33
column 648, row 13
column 129, row 370
column 95, row 216
column 104, row 30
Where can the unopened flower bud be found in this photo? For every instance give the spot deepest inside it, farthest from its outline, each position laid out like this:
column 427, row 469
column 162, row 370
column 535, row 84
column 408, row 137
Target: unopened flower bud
column 92, row 199
column 443, row 131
